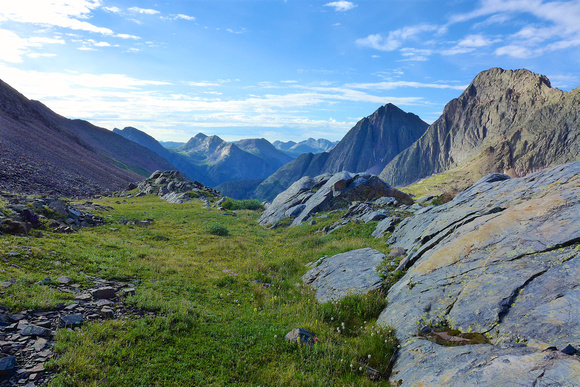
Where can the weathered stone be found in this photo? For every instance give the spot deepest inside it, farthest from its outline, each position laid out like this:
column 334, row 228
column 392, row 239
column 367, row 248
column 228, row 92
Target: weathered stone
column 33, row 330
column 63, row 280
column 375, row 216
column 71, row 320
column 353, row 272
column 107, row 313
column 7, row 365
column 309, row 196
column 386, row 225
column 301, row 336
column 39, row 344
column 569, row 350
column 502, row 259
column 104, row 292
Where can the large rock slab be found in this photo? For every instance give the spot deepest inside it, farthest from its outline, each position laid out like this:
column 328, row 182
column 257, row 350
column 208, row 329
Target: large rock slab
column 309, row 196
column 353, row 272
column 501, row 259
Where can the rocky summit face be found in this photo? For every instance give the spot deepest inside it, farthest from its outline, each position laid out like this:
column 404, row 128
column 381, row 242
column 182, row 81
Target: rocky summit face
column 367, row 147
column 501, row 260
column 511, row 122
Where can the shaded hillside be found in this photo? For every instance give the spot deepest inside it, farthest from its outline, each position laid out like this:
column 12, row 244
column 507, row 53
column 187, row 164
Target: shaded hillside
column 265, row 150
column 182, row 163
column 367, row 147
column 505, row 121
column 42, row 152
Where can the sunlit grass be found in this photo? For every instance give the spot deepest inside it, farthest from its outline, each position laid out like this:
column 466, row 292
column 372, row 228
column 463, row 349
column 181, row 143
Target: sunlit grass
column 222, row 302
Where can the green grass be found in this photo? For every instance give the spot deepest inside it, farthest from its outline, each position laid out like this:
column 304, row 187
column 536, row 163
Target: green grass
column 246, row 204
column 215, row 325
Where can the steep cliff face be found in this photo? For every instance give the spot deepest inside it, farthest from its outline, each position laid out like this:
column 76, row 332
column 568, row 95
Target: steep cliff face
column 512, row 122
column 367, row 147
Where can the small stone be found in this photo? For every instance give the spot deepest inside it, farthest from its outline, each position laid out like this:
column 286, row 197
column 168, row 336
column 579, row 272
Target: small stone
column 300, row 336
column 63, row 280
column 128, row 292
column 45, row 281
column 426, row 330
column 107, row 312
column 104, row 292
column 84, row 297
column 33, row 330
column 569, row 350
column 39, row 344
column 36, row 369
column 71, row 320
column 71, row 307
column 7, row 365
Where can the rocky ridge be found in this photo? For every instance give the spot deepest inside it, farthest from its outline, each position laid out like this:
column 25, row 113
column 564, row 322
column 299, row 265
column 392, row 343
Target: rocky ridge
column 309, row 196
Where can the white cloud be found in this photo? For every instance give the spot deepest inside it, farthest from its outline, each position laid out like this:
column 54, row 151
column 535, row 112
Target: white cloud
column 145, row 11
column 341, row 6
column 127, row 36
column 184, row 17
column 14, row 48
column 560, row 29
column 475, row 41
column 398, row 84
column 60, row 13
column 515, row 52
column 112, row 9
column 396, row 38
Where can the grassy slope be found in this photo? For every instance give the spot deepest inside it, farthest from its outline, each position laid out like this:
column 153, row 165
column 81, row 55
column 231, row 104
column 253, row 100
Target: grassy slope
column 214, row 325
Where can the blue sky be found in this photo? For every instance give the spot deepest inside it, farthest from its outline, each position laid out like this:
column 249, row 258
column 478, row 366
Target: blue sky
column 283, row 70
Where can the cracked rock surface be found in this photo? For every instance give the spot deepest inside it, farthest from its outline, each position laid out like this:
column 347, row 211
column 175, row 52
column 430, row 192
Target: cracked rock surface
column 351, row 272
column 501, row 259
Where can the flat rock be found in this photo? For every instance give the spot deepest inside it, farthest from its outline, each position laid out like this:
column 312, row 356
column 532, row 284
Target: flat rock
column 33, row 330
column 104, row 292
column 71, row 320
column 7, row 365
column 353, row 272
column 386, row 225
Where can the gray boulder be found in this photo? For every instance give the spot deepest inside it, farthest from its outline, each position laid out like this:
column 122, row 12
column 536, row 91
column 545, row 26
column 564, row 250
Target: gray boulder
column 309, row 196
column 353, row 272
column 501, row 259
column 386, row 225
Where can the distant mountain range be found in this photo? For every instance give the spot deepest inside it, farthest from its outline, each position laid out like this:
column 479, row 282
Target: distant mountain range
column 367, row 147
column 213, row 161
column 505, row 121
column 42, row 152
column 311, row 145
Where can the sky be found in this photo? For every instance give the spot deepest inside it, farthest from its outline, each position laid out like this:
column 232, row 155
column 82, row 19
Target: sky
column 274, row 69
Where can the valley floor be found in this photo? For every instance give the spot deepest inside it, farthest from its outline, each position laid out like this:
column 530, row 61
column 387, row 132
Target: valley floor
column 213, row 308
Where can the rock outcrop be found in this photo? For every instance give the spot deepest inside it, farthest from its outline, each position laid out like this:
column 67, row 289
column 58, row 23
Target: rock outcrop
column 511, row 122
column 502, row 259
column 311, row 195
column 174, row 188
column 367, row 147
column 353, row 272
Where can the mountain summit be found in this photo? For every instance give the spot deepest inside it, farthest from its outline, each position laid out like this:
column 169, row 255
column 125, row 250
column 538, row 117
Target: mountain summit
column 505, row 121
column 367, row 147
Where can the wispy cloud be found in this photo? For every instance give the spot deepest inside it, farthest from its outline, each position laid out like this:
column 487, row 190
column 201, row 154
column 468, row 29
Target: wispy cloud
column 145, row 11
column 341, row 6
column 15, row 48
column 395, row 39
column 399, row 84
column 184, row 17
column 561, row 29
